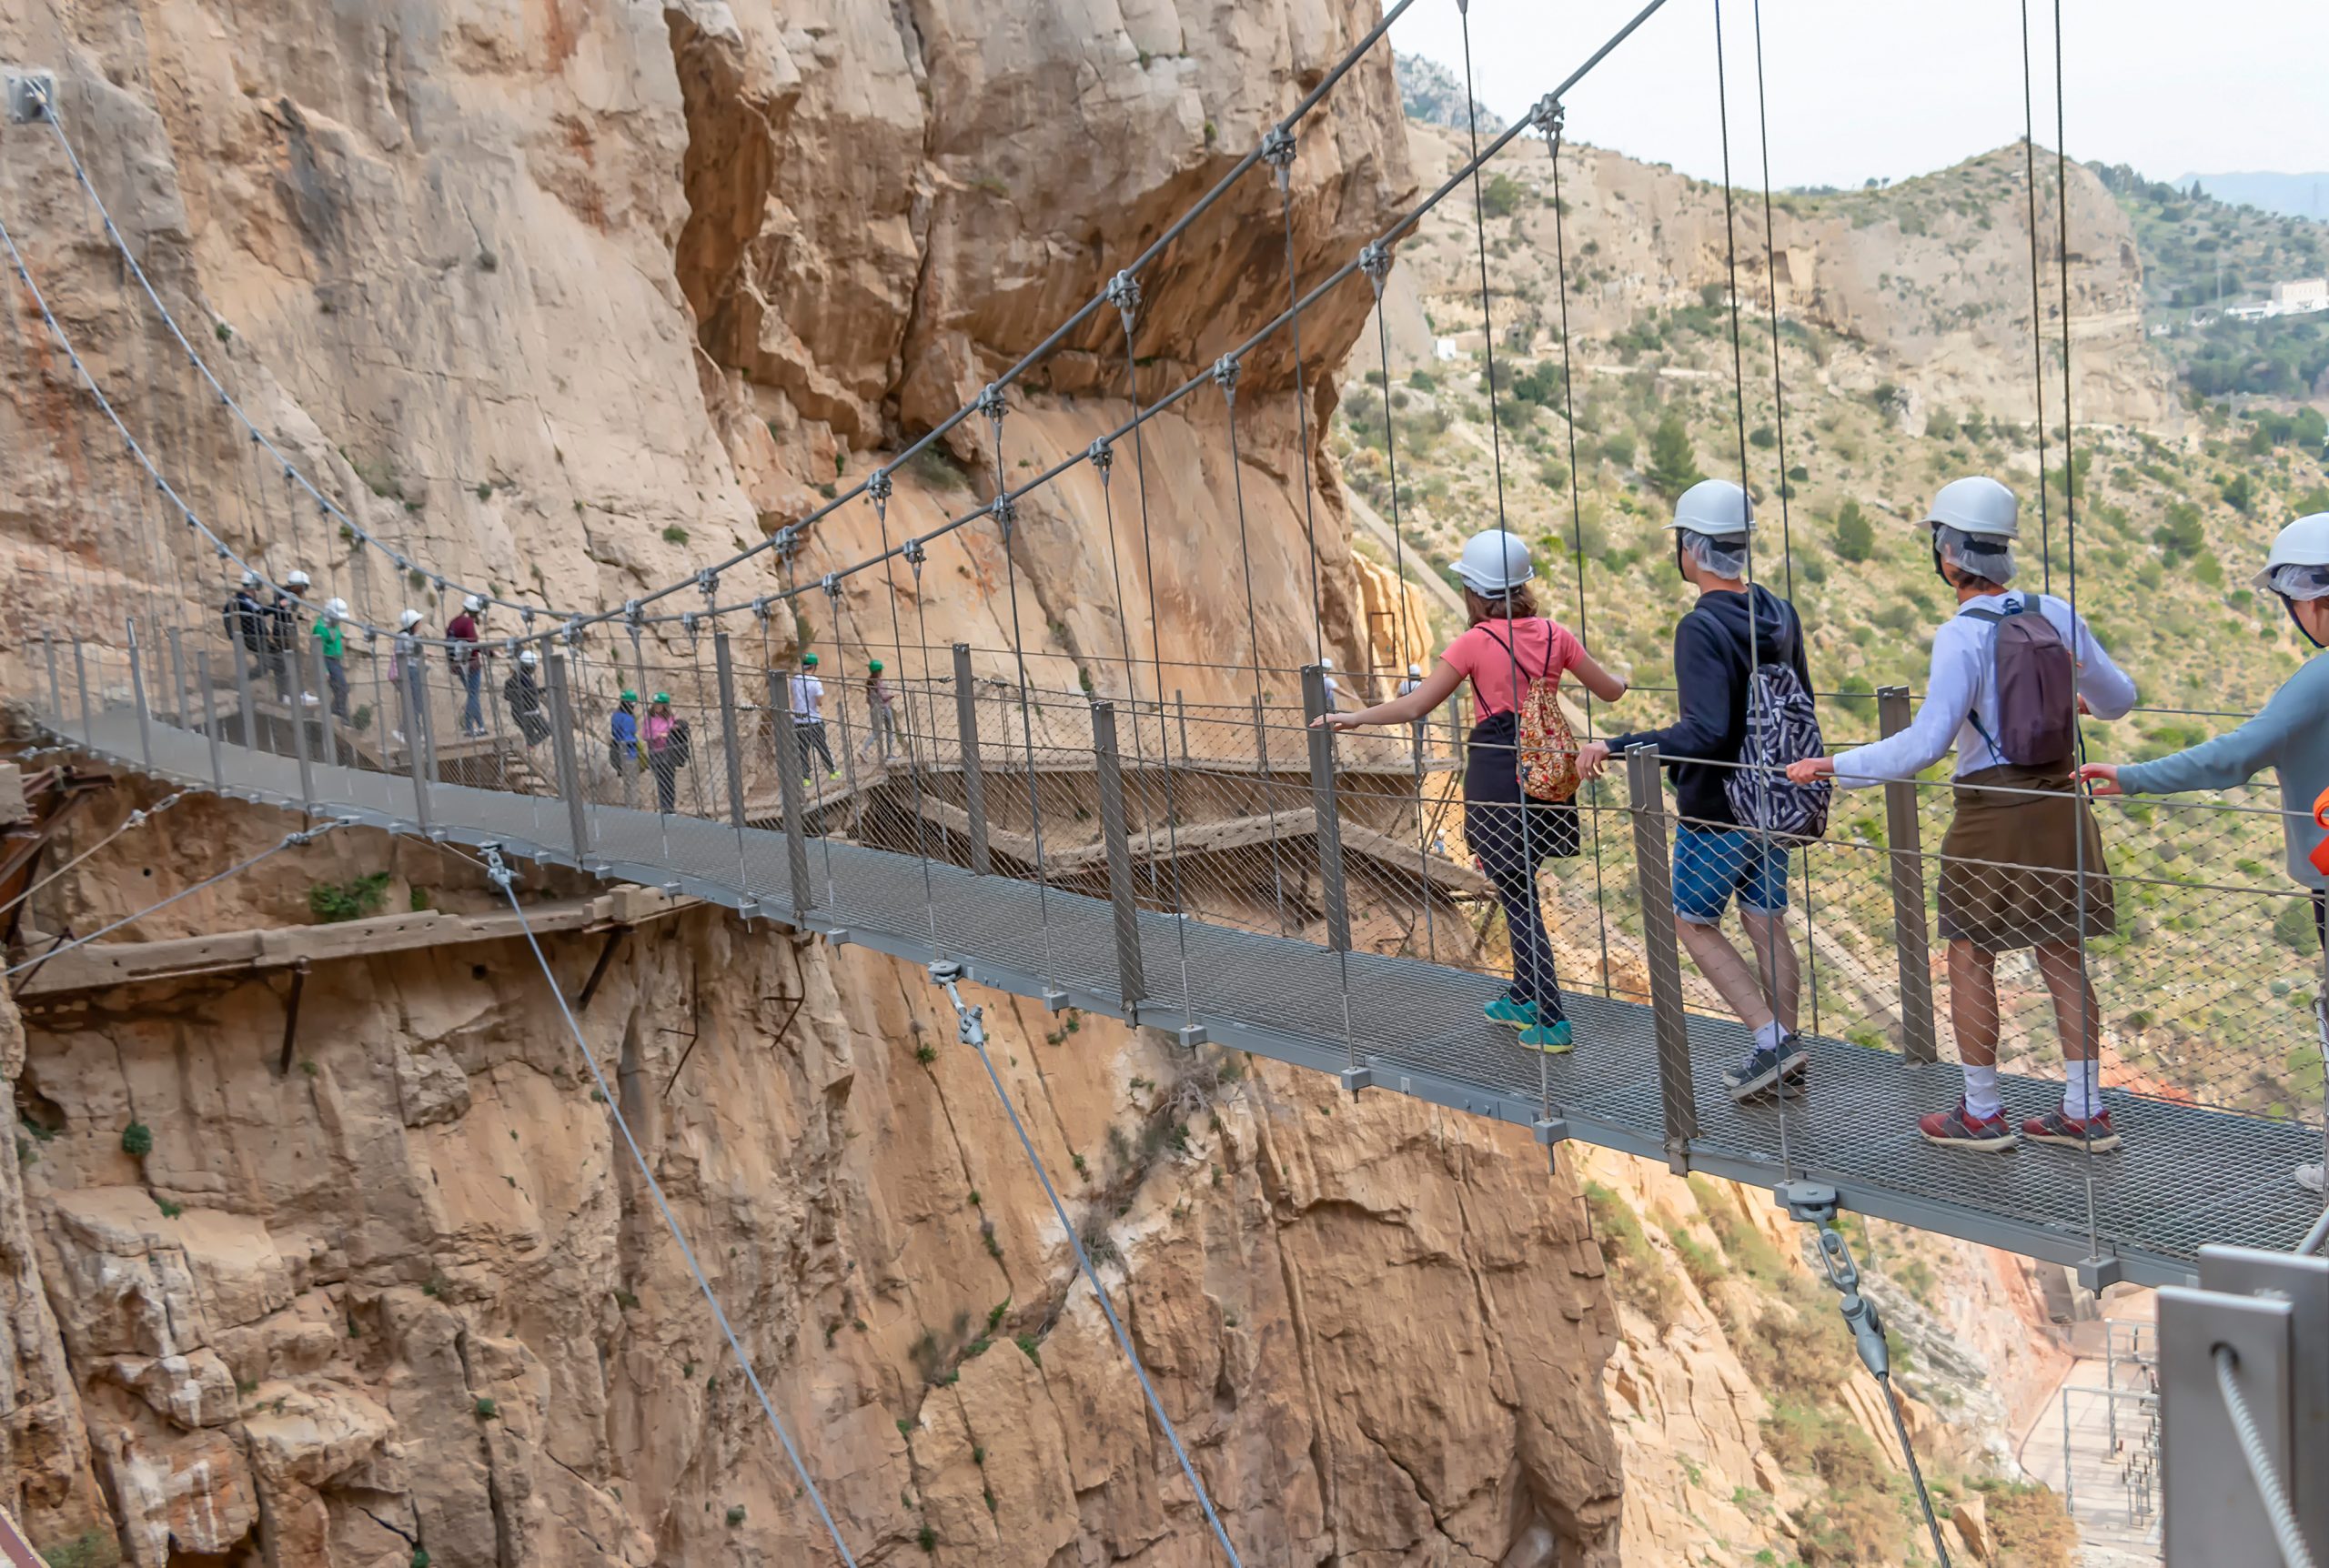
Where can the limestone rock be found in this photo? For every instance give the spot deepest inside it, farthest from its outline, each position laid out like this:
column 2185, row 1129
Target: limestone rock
column 193, row 1390
column 191, row 1492
column 432, row 1086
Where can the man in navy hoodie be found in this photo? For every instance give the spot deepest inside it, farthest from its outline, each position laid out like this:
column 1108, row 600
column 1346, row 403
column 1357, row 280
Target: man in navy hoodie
column 1718, row 645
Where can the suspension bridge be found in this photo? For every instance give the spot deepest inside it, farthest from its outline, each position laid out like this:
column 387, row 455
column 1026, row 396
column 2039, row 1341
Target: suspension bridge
column 1219, row 870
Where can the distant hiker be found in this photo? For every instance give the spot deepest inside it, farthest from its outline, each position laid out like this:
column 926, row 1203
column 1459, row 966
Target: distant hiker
column 881, row 714
column 622, row 734
column 1745, row 687
column 405, row 672
column 521, row 694
column 667, row 751
column 2290, row 736
column 1413, row 678
column 468, row 659
column 1333, row 692
column 283, row 632
column 1520, row 774
column 248, row 624
column 331, row 636
column 809, row 718
column 2022, row 865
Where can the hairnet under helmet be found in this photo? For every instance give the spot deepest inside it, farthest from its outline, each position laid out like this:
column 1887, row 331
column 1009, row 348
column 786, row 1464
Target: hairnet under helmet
column 1985, row 555
column 1721, row 558
column 2294, row 581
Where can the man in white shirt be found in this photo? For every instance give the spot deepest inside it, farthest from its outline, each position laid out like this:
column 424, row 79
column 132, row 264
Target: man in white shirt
column 809, row 718
column 2022, row 865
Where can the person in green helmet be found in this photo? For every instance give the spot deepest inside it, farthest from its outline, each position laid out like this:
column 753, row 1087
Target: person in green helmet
column 881, row 714
column 622, row 734
column 809, row 719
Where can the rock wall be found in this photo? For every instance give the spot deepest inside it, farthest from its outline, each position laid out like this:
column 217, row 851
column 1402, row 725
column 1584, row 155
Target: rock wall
column 413, row 1292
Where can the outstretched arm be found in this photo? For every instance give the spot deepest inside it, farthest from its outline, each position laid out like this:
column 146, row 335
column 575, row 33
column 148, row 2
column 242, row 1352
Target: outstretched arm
column 1436, row 686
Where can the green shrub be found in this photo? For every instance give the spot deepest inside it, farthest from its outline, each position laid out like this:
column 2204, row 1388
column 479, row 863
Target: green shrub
column 675, row 535
column 1635, row 1275
column 332, row 903
column 137, row 1140
column 1030, row 1348
column 92, row 1549
column 1501, row 196
column 1855, row 536
column 485, row 1408
column 1673, row 467
column 735, row 1515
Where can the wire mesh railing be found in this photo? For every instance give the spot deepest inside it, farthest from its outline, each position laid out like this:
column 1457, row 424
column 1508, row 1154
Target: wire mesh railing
column 1151, row 830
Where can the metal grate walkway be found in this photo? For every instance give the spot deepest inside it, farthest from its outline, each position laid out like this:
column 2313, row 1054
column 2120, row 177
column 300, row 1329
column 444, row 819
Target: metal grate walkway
column 1416, row 1025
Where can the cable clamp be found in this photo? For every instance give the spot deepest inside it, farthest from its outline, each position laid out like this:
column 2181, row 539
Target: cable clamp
column 1123, row 293
column 760, row 607
column 633, row 613
column 497, row 869
column 1278, row 151
column 1375, row 261
column 688, row 619
column 1006, row 513
column 1102, row 456
column 1224, row 375
column 916, row 554
column 878, row 486
column 707, row 582
column 1550, row 116
column 787, row 541
column 574, row 631
column 990, row 402
column 831, row 583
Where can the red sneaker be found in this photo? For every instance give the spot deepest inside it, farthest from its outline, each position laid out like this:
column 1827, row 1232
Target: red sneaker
column 1960, row 1128
column 2058, row 1126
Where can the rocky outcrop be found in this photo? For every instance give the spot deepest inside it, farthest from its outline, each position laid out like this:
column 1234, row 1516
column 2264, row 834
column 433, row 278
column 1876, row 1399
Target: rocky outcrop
column 303, row 1320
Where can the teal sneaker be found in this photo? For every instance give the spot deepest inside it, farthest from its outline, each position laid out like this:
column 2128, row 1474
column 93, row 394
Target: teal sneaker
column 1552, row 1038
column 1509, row 1010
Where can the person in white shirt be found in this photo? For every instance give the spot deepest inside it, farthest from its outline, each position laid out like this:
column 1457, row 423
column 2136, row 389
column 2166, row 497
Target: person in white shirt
column 2022, row 865
column 809, row 718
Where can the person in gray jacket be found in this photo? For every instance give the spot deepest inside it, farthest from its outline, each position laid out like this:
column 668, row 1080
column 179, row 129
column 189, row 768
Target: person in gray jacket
column 2290, row 736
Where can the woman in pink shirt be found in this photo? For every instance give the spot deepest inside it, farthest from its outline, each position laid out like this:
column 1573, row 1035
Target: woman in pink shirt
column 1508, row 647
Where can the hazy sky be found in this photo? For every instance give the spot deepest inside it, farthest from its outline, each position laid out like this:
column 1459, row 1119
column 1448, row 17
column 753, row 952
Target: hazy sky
column 1897, row 87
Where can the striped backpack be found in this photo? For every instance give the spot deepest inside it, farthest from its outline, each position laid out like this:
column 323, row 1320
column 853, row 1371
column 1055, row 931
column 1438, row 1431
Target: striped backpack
column 1782, row 726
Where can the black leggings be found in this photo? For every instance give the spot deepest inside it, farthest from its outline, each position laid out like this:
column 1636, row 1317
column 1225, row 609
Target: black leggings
column 1512, row 836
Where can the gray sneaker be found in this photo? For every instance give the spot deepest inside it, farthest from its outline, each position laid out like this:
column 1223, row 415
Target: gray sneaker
column 1772, row 1068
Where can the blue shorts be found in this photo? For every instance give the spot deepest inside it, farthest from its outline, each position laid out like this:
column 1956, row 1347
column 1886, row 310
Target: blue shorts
column 1711, row 864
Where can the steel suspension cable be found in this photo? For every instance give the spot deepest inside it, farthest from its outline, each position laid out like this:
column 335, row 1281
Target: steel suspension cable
column 2269, row 1484
column 1005, row 524
column 137, row 819
column 2037, row 311
column 879, row 488
column 1224, row 371
column 1551, row 117
column 1768, row 950
column 972, row 1031
column 506, row 881
column 1787, row 480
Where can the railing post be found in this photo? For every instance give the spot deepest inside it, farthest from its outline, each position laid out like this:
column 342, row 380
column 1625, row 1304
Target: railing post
column 326, row 726
column 56, row 690
column 210, row 717
column 1180, row 707
column 562, row 755
column 1261, row 741
column 81, row 679
column 1654, row 876
column 1912, row 941
column 137, row 695
column 416, row 719
column 289, row 658
column 1327, row 832
column 966, row 721
column 788, row 788
column 1132, row 983
column 177, row 677
column 246, row 715
column 723, row 668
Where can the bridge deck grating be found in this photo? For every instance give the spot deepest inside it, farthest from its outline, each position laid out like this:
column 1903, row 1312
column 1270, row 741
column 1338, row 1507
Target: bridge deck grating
column 2188, row 1176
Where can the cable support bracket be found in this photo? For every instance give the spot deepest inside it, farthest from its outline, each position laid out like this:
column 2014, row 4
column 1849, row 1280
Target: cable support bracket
column 760, row 607
column 970, row 1023
column 1550, row 117
column 688, row 619
column 1102, row 456
column 1006, row 514
column 1375, row 261
column 916, row 554
column 992, row 402
column 633, row 612
column 707, row 582
column 1123, row 293
column 1278, row 151
column 831, row 583
column 1224, row 375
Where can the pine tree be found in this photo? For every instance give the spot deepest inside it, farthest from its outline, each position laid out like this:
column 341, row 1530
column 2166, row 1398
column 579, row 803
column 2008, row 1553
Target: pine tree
column 1672, row 467
column 1855, row 536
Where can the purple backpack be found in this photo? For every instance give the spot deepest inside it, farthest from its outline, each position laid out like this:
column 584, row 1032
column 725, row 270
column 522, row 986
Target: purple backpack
column 2036, row 682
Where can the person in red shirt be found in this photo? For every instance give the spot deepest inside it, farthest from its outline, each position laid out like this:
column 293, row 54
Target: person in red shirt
column 469, row 663
column 1508, row 647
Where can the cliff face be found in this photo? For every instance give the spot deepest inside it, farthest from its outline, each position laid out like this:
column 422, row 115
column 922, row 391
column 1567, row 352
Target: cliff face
column 411, row 1292
column 566, row 299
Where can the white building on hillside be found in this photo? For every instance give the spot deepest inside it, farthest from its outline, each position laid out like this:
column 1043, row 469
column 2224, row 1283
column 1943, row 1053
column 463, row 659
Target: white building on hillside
column 2300, row 297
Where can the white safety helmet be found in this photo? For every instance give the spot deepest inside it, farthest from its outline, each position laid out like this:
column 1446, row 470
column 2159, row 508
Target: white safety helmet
column 1494, row 563
column 1714, row 507
column 408, row 620
column 1325, row 663
column 250, row 579
column 1415, row 669
column 2304, row 543
column 472, row 604
column 528, row 657
column 296, row 580
column 1979, row 505
column 334, row 608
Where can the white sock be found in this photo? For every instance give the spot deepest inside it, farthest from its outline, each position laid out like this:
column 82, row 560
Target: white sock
column 2083, row 1090
column 1768, row 1035
column 1982, row 1101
